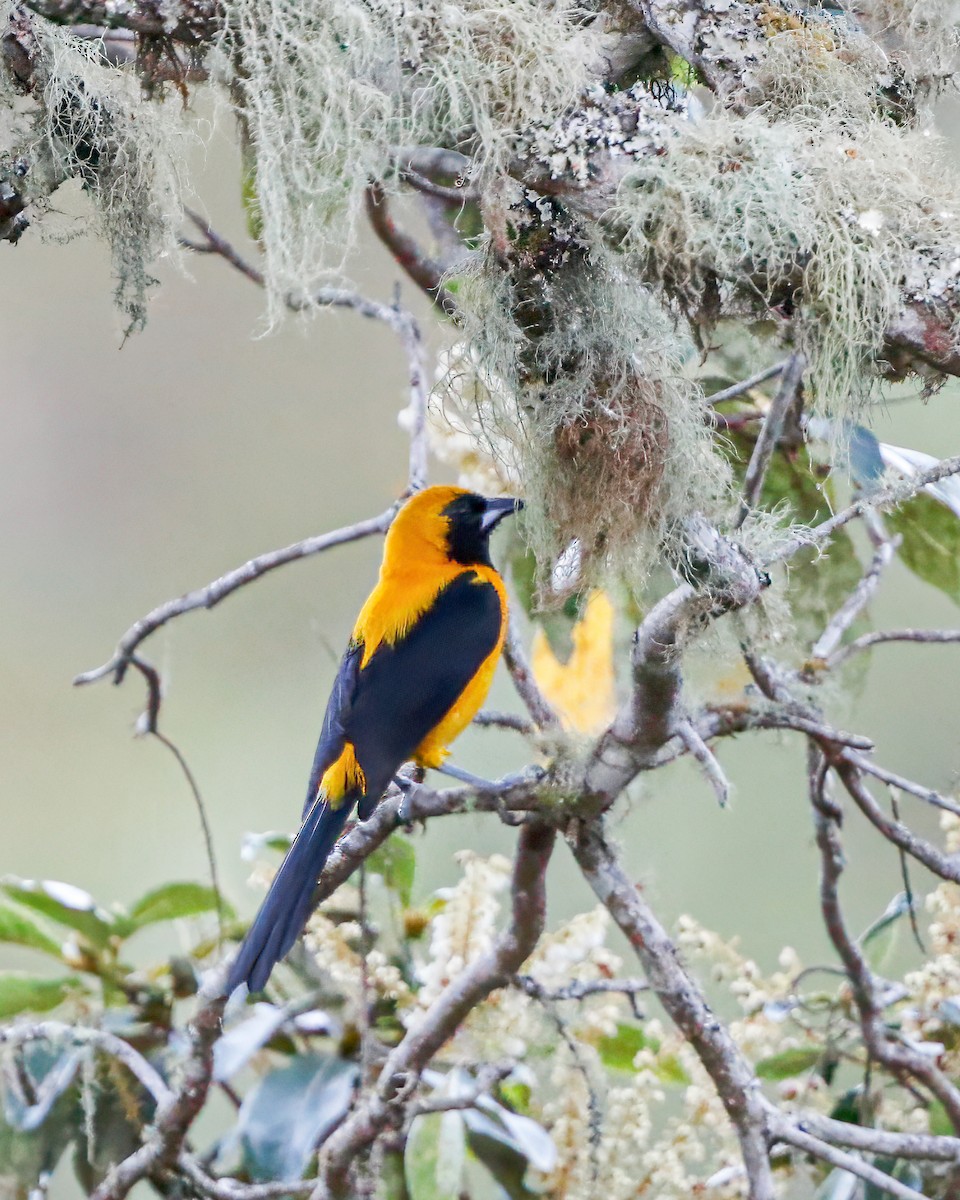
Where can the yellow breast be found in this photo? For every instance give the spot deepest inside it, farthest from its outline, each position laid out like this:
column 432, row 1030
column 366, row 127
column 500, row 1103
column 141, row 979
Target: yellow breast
column 401, row 596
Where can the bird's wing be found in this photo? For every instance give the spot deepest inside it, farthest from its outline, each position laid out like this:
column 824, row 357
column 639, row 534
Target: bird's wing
column 332, row 735
column 410, row 685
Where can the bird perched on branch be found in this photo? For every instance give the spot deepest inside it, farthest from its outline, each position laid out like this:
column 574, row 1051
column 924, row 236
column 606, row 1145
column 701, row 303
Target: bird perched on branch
column 417, row 668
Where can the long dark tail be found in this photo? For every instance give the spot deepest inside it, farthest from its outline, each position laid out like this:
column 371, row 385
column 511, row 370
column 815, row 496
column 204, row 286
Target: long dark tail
column 287, row 906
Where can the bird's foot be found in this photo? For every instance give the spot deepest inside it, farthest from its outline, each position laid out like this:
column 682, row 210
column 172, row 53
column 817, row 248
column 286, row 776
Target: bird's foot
column 530, row 774
column 408, row 788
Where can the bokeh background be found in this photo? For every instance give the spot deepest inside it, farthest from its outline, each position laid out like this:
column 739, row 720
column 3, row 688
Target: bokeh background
column 132, row 471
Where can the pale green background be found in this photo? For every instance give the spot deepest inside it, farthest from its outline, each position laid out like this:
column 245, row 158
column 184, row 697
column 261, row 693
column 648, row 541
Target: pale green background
column 130, row 474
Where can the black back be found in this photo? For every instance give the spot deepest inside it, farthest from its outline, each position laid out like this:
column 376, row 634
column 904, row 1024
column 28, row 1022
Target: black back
column 387, row 709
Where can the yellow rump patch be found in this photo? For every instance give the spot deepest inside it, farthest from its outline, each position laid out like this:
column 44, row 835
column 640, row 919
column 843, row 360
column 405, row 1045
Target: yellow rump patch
column 343, row 776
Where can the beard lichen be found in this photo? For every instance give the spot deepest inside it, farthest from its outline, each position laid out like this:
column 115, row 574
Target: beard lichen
column 818, row 222
column 330, row 92
column 81, row 119
column 575, row 374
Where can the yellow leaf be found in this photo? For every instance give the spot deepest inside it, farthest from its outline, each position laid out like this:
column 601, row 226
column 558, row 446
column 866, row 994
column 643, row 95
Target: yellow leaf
column 583, row 689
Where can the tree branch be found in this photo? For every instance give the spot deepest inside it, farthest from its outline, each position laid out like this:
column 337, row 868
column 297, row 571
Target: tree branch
column 177, row 1112
column 736, row 1084
column 897, row 1057
column 405, row 1063
column 211, row 594
column 788, row 1132
column 783, row 403
column 425, row 272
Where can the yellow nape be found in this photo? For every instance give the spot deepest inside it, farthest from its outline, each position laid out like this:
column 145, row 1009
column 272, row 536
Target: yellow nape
column 419, row 530
column 415, row 567
column 583, row 689
column 343, row 776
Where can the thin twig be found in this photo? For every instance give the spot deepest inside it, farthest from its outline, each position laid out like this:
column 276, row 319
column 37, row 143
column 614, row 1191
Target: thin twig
column 232, row 1189
column 177, row 1112
column 786, row 397
column 707, row 760
column 855, row 603
column 488, row 718
column 526, row 685
column 403, row 324
column 581, row 989
column 211, row 594
column 108, row 1043
column 452, row 195
column 204, row 825
column 845, row 1161
column 745, row 385
column 895, row 1056
column 404, row 1064
column 947, row 866
column 901, row 783
column 487, row 1078
column 421, row 268
column 879, row 498
column 907, row 884
column 929, row 1146
column 929, row 637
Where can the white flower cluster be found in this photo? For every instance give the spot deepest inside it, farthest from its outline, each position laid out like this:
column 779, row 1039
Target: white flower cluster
column 336, row 948
column 466, row 927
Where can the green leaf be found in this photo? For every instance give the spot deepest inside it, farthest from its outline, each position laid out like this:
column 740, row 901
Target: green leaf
column 669, row 1069
column 396, row 861
column 788, row 1063
column 114, row 1110
column 880, row 938
column 499, row 1153
column 290, row 1111
column 619, row 1051
column 849, row 1107
column 175, row 900
column 20, row 992
column 516, row 1094
column 249, row 197
column 931, row 542
column 525, row 1135
column 20, row 930
column 433, row 1160
column 35, row 1130
column 65, row 904
column 938, row 1120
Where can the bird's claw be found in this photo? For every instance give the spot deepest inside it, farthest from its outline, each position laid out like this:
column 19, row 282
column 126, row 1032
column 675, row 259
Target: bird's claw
column 408, row 790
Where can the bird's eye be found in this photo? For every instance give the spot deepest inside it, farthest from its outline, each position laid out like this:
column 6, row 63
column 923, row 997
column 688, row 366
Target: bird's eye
column 477, row 505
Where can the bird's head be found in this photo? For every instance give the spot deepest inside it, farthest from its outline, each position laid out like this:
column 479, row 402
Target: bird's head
column 449, row 523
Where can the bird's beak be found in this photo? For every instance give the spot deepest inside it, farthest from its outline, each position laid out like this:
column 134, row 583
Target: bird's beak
column 496, row 510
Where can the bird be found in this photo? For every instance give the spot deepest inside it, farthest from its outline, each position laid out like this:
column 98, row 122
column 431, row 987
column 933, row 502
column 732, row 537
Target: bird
column 417, row 667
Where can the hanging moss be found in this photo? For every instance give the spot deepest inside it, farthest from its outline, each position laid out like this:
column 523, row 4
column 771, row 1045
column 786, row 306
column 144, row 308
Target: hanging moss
column 88, row 122
column 329, row 90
